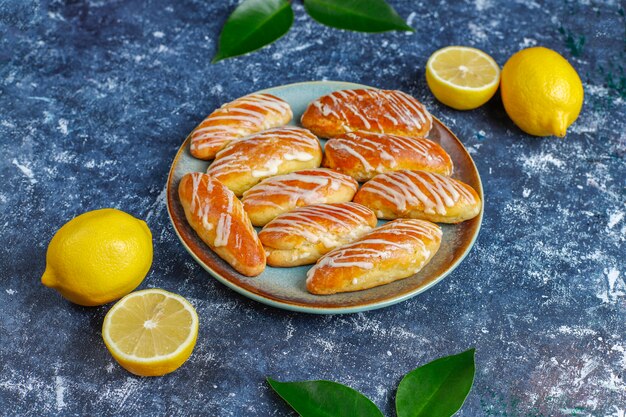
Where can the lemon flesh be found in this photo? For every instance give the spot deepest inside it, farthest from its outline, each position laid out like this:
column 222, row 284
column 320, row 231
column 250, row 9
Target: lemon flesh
column 98, row 257
column 151, row 332
column 461, row 77
column 541, row 92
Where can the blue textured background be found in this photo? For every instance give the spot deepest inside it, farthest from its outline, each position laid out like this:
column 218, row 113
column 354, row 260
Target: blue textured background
column 96, row 97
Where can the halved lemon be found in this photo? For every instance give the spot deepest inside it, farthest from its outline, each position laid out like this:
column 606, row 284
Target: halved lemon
column 461, row 77
column 151, row 332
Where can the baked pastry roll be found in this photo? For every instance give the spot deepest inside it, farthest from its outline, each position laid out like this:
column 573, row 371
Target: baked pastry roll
column 219, row 219
column 391, row 252
column 303, row 235
column 245, row 163
column 371, row 110
column 237, row 119
column 283, row 193
column 419, row 195
column 364, row 155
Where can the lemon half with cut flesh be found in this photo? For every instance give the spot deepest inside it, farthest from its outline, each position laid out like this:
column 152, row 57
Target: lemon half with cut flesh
column 461, row 77
column 151, row 332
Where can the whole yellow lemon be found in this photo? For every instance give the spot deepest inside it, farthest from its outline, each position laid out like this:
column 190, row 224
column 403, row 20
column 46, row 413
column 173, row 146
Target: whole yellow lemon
column 541, row 92
column 98, row 257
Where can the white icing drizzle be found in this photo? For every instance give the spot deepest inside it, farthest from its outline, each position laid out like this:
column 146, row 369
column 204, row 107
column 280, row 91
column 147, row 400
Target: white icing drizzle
column 363, row 108
column 270, row 167
column 196, row 178
column 223, row 230
column 405, row 189
column 380, row 244
column 298, row 188
column 369, row 148
column 203, row 207
column 311, row 223
column 231, row 121
column 298, row 156
column 263, row 153
column 325, row 110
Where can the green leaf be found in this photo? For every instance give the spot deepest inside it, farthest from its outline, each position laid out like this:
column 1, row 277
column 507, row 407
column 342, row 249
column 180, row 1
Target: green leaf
column 437, row 389
column 325, row 399
column 254, row 24
column 358, row 15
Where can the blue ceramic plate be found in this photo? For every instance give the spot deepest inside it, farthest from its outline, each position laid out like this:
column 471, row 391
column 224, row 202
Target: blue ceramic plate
column 285, row 287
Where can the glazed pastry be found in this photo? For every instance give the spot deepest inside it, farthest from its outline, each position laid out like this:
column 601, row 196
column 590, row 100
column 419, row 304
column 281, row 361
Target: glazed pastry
column 303, row 235
column 364, row 155
column 245, row 163
column 219, row 219
column 391, row 252
column 370, row 110
column 419, row 195
column 235, row 120
column 284, row 193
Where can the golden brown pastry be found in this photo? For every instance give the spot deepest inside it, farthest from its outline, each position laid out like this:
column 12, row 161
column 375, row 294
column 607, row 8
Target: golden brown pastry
column 235, row 120
column 283, row 193
column 245, row 163
column 370, row 110
column 419, row 195
column 391, row 252
column 364, row 155
column 303, row 235
column 219, row 219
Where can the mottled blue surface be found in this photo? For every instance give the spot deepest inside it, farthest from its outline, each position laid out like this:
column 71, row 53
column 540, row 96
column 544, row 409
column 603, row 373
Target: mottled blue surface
column 96, row 97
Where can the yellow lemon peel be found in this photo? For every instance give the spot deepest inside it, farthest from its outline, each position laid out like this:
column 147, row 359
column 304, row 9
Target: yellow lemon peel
column 541, row 92
column 98, row 257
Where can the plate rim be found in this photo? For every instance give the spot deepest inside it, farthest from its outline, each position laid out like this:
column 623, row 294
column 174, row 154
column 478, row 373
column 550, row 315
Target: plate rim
column 307, row 308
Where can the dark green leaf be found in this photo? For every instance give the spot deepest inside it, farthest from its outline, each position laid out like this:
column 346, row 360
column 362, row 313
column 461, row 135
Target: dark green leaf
column 358, row 15
column 325, row 399
column 254, row 24
column 437, row 389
